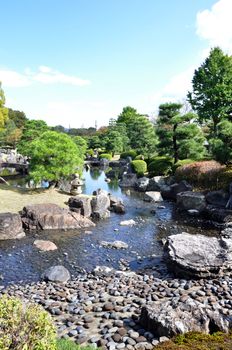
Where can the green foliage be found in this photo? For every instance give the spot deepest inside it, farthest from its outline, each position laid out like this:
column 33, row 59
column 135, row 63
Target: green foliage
column 212, row 88
column 94, row 142
column 139, row 157
column 31, row 131
column 115, row 139
column 139, row 167
column 221, row 146
column 160, row 166
column 205, row 175
column 142, row 136
column 181, row 162
column 53, row 156
column 3, row 109
column 105, row 156
column 65, row 344
column 130, row 153
column 19, row 118
column 25, row 327
column 90, row 152
column 179, row 137
column 128, row 114
column 81, row 145
column 198, row 341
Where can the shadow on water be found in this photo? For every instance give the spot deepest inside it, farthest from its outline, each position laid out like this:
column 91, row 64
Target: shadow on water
column 81, row 249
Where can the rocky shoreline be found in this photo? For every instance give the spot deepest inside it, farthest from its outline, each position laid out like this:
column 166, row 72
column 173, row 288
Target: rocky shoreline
column 115, row 309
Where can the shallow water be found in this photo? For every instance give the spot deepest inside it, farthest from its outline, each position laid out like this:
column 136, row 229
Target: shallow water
column 78, row 249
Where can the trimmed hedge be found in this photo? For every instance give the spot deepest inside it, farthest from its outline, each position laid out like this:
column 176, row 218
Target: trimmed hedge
column 25, row 326
column 90, row 152
column 182, row 162
column 206, row 175
column 105, row 156
column 139, row 166
column 139, row 157
column 160, row 166
column 130, row 153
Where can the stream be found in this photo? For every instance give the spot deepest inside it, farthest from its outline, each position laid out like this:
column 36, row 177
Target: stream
column 21, row 261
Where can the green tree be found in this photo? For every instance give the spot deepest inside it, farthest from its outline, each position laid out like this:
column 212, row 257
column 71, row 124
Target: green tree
column 11, row 134
column 31, row 131
column 212, row 89
column 178, row 136
column 82, row 145
column 53, row 156
column 19, row 118
column 115, row 138
column 142, row 136
column 128, row 113
column 221, row 146
column 3, row 109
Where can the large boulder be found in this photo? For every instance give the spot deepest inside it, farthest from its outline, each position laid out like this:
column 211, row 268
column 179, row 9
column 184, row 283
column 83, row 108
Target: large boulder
column 56, row 273
column 198, row 256
column 153, row 196
column 49, row 216
column 217, row 198
column 170, row 192
column 218, row 214
column 128, row 180
column 141, row 184
column 170, row 318
column 157, row 183
column 191, row 200
column 11, row 226
column 81, row 202
column 100, row 203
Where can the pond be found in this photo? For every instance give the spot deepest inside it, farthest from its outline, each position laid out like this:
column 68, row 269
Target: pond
column 21, row 261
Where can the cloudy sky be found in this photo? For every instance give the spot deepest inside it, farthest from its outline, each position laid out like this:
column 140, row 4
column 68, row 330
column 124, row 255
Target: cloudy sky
column 72, row 62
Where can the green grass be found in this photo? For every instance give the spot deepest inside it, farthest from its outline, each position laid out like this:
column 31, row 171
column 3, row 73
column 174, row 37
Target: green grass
column 198, row 341
column 65, row 344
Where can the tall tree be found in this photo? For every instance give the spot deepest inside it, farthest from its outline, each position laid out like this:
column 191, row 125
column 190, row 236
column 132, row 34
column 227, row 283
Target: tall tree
column 3, row 109
column 128, row 114
column 19, row 118
column 32, row 130
column 178, row 136
column 212, row 89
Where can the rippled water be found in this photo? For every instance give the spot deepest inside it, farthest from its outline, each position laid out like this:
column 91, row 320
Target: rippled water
column 77, row 249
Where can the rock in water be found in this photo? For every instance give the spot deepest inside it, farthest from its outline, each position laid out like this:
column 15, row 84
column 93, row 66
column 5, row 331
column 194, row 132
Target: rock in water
column 191, row 200
column 127, row 222
column 81, row 202
column 45, row 246
column 100, row 204
column 56, row 273
column 153, row 196
column 115, row 244
column 11, row 226
column 48, row 216
column 198, row 256
column 141, row 184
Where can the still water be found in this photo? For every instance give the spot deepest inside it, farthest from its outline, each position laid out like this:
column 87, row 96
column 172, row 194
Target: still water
column 21, row 261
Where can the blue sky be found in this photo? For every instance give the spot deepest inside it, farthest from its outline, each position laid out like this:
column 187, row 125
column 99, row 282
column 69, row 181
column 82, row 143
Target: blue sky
column 72, row 62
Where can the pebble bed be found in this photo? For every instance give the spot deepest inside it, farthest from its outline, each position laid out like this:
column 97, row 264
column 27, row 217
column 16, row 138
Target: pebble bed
column 104, row 309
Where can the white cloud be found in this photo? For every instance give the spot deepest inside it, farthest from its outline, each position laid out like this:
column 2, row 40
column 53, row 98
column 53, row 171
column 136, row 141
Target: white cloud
column 215, row 25
column 11, row 78
column 44, row 75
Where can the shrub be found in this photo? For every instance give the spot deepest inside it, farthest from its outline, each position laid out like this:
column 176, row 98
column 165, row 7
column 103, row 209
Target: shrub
column 139, row 157
column 130, row 153
column 198, row 341
column 139, row 166
column 209, row 175
column 90, row 152
column 160, row 166
column 65, row 344
column 105, row 156
column 25, row 327
column 181, row 162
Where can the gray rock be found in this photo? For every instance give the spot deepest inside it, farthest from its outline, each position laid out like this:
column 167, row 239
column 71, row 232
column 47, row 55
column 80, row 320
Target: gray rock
column 171, row 191
column 128, row 180
column 130, row 222
column 217, row 198
column 164, row 320
column 198, row 256
column 191, row 200
column 56, row 273
column 11, row 226
column 115, row 244
column 157, row 183
column 153, row 196
column 49, row 216
column 100, row 204
column 141, row 184
column 81, row 202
